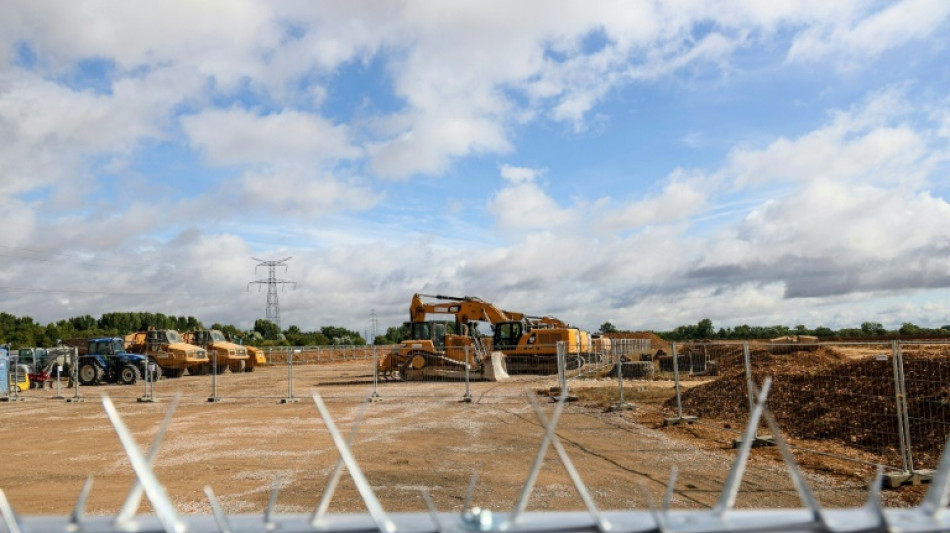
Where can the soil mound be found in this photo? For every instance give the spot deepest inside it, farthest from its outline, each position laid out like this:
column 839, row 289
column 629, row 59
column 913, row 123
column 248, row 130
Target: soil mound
column 824, row 395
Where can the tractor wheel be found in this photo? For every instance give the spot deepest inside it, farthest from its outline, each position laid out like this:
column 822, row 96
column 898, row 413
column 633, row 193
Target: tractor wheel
column 90, row 374
column 237, row 366
column 129, row 374
column 219, row 369
column 173, row 372
column 157, row 374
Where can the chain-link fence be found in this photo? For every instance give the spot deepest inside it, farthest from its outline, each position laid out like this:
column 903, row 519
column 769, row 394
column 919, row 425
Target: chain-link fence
column 876, row 403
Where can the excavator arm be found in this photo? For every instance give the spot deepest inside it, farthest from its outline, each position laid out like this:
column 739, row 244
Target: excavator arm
column 465, row 309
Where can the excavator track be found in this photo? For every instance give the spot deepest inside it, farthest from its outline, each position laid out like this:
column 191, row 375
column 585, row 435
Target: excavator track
column 420, row 365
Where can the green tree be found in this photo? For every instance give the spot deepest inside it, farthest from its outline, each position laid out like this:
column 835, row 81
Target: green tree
column 394, row 335
column 607, row 327
column 339, row 335
column 873, row 328
column 704, row 329
column 267, row 329
column 909, row 328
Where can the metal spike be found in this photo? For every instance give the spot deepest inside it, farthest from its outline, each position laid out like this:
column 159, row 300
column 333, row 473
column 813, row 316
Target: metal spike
column 80, row 508
column 467, row 504
column 658, row 518
column 528, row 487
column 153, row 489
column 272, row 504
column 938, row 495
column 804, row 491
column 217, row 511
column 729, row 491
column 376, row 511
column 134, row 499
column 670, row 489
column 873, row 504
column 337, row 473
column 9, row 515
column 430, row 506
column 602, row 524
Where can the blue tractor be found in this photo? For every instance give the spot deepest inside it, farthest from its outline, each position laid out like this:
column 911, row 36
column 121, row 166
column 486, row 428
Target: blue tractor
column 106, row 361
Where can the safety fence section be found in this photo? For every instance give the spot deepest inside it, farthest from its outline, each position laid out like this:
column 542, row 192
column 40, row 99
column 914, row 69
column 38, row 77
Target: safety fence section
column 925, row 380
column 306, row 355
column 880, row 403
column 837, row 396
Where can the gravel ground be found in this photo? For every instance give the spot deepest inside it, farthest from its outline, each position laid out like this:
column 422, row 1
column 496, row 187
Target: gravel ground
column 419, row 435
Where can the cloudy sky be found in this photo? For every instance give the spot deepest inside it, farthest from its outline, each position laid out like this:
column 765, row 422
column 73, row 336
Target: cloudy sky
column 645, row 163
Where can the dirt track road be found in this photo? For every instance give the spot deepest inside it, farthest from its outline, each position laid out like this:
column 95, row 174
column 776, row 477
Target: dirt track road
column 418, row 436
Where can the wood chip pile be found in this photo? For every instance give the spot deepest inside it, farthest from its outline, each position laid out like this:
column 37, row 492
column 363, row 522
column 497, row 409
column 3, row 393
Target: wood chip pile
column 825, row 395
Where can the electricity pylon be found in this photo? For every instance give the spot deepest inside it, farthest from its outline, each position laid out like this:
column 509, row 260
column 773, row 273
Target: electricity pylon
column 273, row 307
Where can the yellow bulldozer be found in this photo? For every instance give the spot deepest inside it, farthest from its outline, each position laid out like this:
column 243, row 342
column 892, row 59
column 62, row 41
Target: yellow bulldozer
column 520, row 343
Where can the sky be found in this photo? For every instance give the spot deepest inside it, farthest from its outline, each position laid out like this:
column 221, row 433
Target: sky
column 650, row 164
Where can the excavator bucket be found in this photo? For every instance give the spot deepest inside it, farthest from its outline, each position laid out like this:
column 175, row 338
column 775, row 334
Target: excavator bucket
column 498, row 369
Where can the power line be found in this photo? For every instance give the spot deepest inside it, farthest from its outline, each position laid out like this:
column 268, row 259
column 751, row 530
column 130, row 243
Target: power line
column 273, row 307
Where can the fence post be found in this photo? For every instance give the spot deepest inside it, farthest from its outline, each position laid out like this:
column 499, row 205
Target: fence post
column 74, row 372
column 467, row 398
column 679, row 397
column 900, row 398
column 290, row 379
column 148, row 396
column 375, row 396
column 621, row 405
column 561, row 371
column 748, row 375
column 215, row 370
column 16, row 379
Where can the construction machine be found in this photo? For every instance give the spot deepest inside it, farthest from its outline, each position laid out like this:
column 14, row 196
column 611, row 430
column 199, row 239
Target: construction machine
column 255, row 358
column 224, row 354
column 42, row 362
column 168, row 350
column 530, row 347
column 445, row 348
column 520, row 343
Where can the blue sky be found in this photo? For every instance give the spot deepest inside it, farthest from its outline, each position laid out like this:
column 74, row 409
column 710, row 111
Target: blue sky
column 645, row 163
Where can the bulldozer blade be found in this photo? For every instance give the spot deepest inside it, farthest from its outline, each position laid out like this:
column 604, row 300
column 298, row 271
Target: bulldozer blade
column 498, row 370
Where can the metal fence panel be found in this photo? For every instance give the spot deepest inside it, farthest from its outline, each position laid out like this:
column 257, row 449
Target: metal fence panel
column 926, row 372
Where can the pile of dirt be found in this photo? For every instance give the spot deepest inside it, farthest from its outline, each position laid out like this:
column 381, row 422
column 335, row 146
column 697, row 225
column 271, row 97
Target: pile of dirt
column 823, row 395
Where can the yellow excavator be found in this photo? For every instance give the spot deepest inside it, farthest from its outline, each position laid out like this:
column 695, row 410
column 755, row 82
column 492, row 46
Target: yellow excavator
column 521, row 343
column 442, row 348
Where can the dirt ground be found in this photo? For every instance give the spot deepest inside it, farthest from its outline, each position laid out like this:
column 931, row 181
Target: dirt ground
column 419, row 435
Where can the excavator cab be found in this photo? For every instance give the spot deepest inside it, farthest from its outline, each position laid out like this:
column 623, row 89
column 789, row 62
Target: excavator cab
column 507, row 335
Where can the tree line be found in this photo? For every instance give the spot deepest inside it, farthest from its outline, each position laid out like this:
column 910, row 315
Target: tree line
column 704, row 330
column 24, row 331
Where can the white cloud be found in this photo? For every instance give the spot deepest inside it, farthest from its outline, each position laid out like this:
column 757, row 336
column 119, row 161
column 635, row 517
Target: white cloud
column 237, row 137
column 526, row 206
column 290, row 190
column 682, row 197
column 851, row 38
column 867, row 145
column 518, row 174
column 431, row 139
